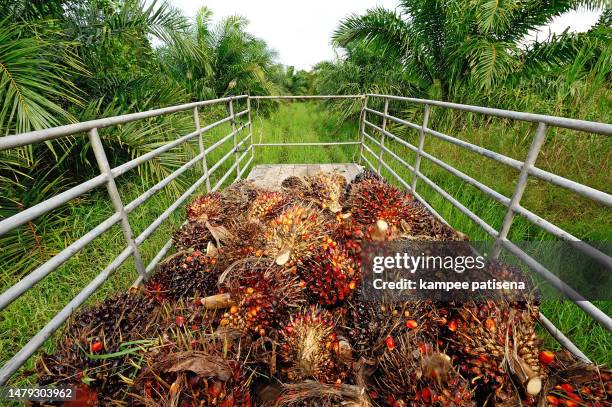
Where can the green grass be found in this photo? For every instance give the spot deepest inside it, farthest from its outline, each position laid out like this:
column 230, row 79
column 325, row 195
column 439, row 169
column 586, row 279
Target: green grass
column 302, row 122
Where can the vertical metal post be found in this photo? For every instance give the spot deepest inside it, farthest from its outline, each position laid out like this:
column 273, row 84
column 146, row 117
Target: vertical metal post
column 532, row 156
column 417, row 163
column 236, row 154
column 382, row 136
column 196, row 119
column 113, row 192
column 250, row 129
column 362, row 119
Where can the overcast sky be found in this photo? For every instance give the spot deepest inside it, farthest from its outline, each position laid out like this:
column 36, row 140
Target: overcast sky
column 300, row 31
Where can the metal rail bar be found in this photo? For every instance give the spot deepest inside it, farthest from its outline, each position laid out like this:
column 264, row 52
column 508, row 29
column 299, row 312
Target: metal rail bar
column 37, row 210
column 561, row 338
column 234, row 132
column 37, row 136
column 581, row 189
column 382, row 137
column 575, row 124
column 339, row 143
column 521, row 184
column 293, row 97
column 196, row 120
column 419, row 153
column 113, row 193
column 36, row 342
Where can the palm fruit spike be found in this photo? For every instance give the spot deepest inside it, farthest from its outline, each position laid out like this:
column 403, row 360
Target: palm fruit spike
column 296, row 235
column 310, row 349
column 421, row 224
column 259, row 294
column 328, row 190
column 192, row 235
column 313, row 394
column 267, row 205
column 369, row 323
column 246, row 240
column 98, row 330
column 413, row 370
column 193, row 369
column 572, row 382
column 331, row 276
column 207, row 208
column 493, row 338
column 371, row 200
column 184, row 274
column 238, row 197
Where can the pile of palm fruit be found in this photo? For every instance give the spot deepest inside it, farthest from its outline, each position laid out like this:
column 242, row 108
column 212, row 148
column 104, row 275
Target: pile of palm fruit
column 260, row 305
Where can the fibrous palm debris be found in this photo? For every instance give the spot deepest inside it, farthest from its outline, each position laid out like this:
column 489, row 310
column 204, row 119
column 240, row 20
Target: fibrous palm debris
column 262, row 304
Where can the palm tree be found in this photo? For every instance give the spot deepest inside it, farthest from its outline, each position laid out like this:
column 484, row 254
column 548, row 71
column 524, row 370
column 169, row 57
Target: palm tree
column 227, row 60
column 447, row 42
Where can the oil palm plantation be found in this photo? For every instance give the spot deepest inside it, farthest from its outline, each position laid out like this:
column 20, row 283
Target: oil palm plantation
column 480, row 43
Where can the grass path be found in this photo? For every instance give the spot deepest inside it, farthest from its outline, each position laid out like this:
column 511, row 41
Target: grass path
column 298, row 122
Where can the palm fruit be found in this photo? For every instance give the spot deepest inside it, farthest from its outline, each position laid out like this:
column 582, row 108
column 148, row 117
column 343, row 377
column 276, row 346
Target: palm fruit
column 572, row 382
column 207, row 208
column 246, row 239
column 324, row 190
column 418, row 223
column 184, row 274
column 102, row 329
column 193, row 369
column 310, row 348
column 267, row 205
column 260, row 294
column 491, row 339
column 238, row 197
column 330, row 276
column 192, row 235
column 412, row 371
column 296, row 235
column 369, row 324
column 371, row 200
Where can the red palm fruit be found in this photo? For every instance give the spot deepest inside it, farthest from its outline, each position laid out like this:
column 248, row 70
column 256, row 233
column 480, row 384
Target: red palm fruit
column 267, row 205
column 180, row 320
column 207, row 208
column 412, row 324
column 310, row 350
column 430, row 377
column 97, row 346
column 184, row 275
column 215, row 374
column 495, row 330
column 295, row 236
column 331, row 276
column 371, row 200
column 263, row 294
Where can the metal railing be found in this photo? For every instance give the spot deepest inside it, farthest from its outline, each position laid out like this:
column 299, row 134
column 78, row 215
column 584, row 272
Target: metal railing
column 108, row 175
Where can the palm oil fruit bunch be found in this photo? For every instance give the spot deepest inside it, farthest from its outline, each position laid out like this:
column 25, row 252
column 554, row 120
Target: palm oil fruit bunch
column 246, row 239
column 238, row 197
column 331, row 276
column 311, row 349
column 191, row 370
column 296, row 235
column 323, row 190
column 184, row 274
column 267, row 205
column 260, row 295
column 207, row 208
column 102, row 329
column 413, row 371
column 192, row 235
column 372, row 199
column 495, row 342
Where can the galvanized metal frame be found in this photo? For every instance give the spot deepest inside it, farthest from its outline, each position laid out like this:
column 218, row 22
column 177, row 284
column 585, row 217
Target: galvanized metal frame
column 512, row 204
column 108, row 175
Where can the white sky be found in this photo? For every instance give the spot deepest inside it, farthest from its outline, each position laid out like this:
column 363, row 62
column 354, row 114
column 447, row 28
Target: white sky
column 300, row 31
